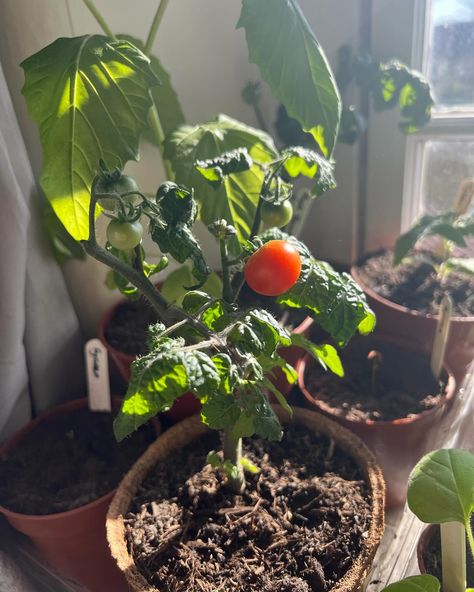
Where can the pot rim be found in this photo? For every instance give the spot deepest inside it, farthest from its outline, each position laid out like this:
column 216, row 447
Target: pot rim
column 185, row 431
column 425, row 537
column 447, row 397
column 18, row 436
column 398, row 307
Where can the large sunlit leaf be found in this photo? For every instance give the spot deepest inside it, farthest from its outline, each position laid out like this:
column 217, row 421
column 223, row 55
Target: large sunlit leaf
column 165, row 97
column 90, row 98
column 236, row 198
column 283, row 46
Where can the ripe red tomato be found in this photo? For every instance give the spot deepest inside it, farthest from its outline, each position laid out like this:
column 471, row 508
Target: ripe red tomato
column 273, row 269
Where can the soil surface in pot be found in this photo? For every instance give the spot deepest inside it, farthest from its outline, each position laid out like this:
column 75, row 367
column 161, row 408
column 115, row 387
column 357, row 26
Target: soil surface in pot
column 128, row 328
column 416, row 285
column 402, row 386
column 432, row 557
column 297, row 528
column 66, row 462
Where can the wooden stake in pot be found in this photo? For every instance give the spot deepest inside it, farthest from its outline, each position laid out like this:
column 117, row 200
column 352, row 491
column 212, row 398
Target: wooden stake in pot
column 453, row 534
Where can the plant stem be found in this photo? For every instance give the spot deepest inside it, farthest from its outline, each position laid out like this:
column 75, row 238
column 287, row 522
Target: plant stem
column 232, row 449
column 227, row 286
column 99, row 18
column 470, row 536
column 155, row 25
column 257, row 219
column 159, row 135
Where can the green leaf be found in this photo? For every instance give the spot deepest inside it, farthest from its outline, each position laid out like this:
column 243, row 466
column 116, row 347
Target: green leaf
column 460, row 265
column 280, row 397
column 174, row 286
column 156, row 381
column 325, row 354
column 62, row 243
column 220, row 411
column 165, row 97
column 215, row 169
column 203, row 376
column 441, row 487
column 244, row 427
column 228, row 373
column 301, row 161
column 90, row 98
column 423, row 583
column 236, row 199
column 439, row 224
column 291, row 61
column 248, row 466
column 338, row 304
column 266, row 423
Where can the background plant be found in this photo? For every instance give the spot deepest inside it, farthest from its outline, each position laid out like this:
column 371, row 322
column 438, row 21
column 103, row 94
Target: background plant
column 450, row 230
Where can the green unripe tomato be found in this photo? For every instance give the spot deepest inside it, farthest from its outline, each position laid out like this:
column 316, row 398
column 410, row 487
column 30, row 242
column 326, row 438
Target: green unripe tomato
column 277, row 215
column 124, row 184
column 124, row 235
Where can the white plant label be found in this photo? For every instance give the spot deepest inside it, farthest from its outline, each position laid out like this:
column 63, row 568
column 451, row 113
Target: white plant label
column 441, row 336
column 97, row 370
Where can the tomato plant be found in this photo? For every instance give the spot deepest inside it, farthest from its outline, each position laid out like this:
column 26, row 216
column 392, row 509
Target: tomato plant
column 277, row 215
column 124, row 235
column 273, row 269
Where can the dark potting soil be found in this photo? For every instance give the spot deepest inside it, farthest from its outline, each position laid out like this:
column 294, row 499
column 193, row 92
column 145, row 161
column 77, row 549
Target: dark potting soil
column 403, row 385
column 67, row 462
column 297, row 528
column 432, row 557
column 416, row 285
column 128, row 328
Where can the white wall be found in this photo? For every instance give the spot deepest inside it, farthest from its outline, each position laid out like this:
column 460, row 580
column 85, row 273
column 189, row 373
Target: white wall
column 207, row 58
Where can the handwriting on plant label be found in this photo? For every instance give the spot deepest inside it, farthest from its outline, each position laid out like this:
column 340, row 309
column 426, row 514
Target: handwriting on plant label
column 97, row 371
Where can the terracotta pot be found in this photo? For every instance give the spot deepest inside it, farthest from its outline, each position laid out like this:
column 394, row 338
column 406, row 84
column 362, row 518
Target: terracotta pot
column 188, row 430
column 419, row 329
column 397, row 444
column 73, row 542
column 423, row 542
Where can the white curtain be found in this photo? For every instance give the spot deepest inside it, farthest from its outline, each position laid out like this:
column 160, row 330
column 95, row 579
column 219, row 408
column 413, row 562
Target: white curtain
column 40, row 342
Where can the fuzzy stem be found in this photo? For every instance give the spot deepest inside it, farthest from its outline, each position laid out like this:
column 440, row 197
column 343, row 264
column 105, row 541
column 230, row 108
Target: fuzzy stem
column 232, row 449
column 155, row 25
column 159, row 135
column 470, row 536
column 227, row 286
column 99, row 18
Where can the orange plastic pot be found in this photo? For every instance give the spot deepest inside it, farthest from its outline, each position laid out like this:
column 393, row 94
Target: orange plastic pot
column 419, row 329
column 399, row 444
column 73, row 542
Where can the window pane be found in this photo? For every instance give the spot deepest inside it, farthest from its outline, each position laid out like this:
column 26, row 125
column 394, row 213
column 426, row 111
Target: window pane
column 451, row 54
column 445, row 164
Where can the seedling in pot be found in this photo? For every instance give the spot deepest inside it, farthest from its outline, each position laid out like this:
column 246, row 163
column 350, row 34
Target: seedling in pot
column 221, row 352
column 450, row 229
column 441, row 491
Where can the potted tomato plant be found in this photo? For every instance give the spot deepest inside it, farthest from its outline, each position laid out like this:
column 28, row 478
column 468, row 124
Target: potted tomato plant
column 57, row 477
column 429, row 260
column 387, row 395
column 222, row 352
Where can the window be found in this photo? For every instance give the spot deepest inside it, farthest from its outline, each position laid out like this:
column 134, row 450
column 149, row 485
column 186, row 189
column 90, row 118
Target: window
column 440, row 157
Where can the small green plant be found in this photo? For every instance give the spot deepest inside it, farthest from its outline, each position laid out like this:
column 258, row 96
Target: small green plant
column 440, row 490
column 450, row 229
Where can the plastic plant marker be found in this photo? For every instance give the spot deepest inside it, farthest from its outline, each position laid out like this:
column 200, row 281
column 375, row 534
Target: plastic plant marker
column 97, row 370
column 441, row 336
column 453, row 556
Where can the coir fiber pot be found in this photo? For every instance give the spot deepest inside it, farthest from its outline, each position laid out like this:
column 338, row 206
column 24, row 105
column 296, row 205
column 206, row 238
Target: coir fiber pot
column 419, row 329
column 190, row 429
column 397, row 444
column 74, row 542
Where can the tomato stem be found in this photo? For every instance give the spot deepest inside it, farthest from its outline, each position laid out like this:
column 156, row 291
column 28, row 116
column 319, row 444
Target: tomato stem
column 232, row 449
column 160, row 11
column 99, row 18
column 227, row 286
